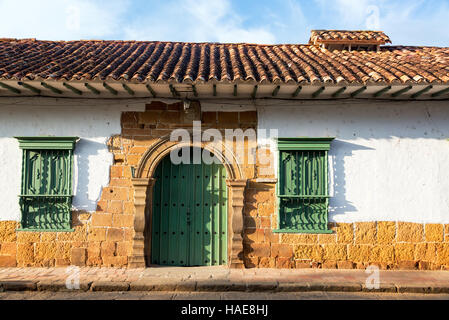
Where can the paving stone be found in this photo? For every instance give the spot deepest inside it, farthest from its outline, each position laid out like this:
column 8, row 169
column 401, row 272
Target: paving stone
column 219, row 285
column 20, row 285
column 383, row 287
column 109, row 286
column 293, row 287
column 341, row 287
column 261, row 286
column 188, row 285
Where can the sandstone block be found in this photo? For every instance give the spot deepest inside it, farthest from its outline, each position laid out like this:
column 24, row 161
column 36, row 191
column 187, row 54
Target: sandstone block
column 365, row 232
column 334, row 252
column 78, row 257
column 434, row 232
column 281, row 250
column 345, row 233
column 410, row 232
column 404, row 252
column 291, row 238
column 115, row 234
column 359, row 252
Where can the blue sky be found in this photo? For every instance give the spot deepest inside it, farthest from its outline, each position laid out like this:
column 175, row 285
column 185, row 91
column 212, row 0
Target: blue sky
column 412, row 22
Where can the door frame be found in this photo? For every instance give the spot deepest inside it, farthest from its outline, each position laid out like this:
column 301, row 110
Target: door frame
column 143, row 184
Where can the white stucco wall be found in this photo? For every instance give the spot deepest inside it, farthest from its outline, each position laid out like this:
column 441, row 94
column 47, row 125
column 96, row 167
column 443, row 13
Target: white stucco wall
column 93, row 121
column 389, row 161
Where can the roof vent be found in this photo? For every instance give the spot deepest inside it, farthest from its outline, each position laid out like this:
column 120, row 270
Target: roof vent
column 363, row 40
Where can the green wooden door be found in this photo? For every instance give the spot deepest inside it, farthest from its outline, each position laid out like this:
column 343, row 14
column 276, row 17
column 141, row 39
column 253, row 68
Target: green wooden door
column 189, row 223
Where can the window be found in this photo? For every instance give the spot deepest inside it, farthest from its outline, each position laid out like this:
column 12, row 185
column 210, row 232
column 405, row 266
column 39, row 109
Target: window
column 302, row 190
column 46, row 192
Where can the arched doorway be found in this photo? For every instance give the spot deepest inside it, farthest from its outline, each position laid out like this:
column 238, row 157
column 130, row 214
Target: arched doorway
column 189, row 225
column 143, row 185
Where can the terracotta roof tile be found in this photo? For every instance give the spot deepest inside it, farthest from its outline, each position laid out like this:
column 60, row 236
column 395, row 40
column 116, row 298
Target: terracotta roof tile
column 143, row 61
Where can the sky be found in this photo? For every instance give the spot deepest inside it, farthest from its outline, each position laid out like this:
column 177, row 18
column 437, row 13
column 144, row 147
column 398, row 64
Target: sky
column 407, row 22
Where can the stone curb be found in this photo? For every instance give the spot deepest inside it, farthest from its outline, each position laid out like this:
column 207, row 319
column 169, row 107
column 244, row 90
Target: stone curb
column 161, row 285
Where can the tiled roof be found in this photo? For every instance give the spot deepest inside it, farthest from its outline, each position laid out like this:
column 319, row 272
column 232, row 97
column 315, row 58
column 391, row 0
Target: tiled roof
column 138, row 62
column 364, row 36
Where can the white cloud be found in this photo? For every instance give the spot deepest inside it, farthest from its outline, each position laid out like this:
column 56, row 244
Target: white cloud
column 415, row 22
column 60, row 19
column 200, row 20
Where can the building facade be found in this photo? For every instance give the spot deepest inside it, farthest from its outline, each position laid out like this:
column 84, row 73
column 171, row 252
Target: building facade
column 131, row 154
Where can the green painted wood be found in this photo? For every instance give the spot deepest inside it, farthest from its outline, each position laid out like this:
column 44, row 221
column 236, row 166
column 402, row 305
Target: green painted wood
column 338, row 92
column 297, row 91
column 304, row 143
column 8, row 87
column 29, row 87
column 189, row 214
column 51, row 143
column 92, row 89
column 110, row 89
column 302, row 189
column 150, row 89
column 399, row 92
column 439, row 93
column 51, row 88
column 128, row 89
column 73, row 89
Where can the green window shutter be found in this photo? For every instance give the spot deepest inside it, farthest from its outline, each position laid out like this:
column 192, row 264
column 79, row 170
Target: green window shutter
column 303, row 196
column 46, row 193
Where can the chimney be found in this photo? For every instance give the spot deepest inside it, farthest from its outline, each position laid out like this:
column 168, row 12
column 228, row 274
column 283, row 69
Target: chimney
column 363, row 40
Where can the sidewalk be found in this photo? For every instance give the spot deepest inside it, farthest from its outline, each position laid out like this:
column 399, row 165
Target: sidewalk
column 221, row 279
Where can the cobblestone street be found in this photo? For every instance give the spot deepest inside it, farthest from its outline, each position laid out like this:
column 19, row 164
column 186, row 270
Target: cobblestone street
column 217, row 296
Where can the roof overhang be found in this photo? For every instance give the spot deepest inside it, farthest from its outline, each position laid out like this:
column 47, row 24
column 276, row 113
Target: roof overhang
column 217, row 90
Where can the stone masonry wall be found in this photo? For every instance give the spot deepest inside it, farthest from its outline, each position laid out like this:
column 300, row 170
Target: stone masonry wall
column 389, row 245
column 104, row 237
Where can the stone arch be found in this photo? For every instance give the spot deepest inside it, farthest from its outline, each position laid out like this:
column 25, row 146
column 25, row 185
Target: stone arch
column 164, row 146
column 143, row 183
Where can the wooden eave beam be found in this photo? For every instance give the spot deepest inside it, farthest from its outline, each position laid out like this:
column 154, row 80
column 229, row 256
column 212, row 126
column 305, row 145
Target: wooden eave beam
column 338, row 92
column 8, row 87
column 151, row 90
column 439, row 93
column 173, row 91
column 297, row 91
column 275, row 91
column 214, row 88
column 420, row 92
column 398, row 93
column 318, row 92
column 73, row 89
column 235, row 90
column 381, row 92
column 92, row 89
column 128, row 89
column 253, row 94
column 358, row 91
column 29, row 87
column 195, row 92
column 51, row 88
column 110, row 89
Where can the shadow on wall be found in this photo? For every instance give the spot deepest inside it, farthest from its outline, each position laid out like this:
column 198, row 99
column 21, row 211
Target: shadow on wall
column 89, row 168
column 338, row 204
